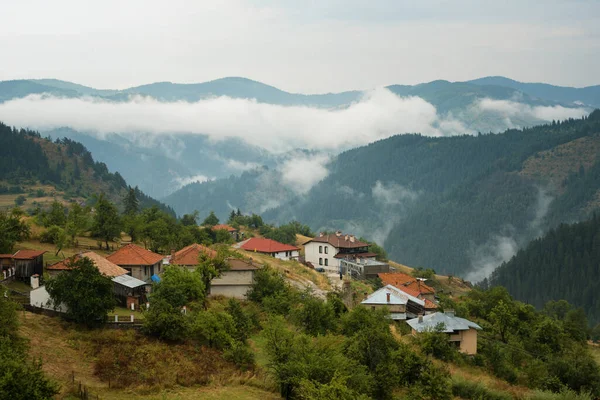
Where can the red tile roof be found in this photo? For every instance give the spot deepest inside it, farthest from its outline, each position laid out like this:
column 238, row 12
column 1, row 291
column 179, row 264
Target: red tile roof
column 401, row 281
column 225, row 227
column 267, row 246
column 27, row 254
column 6, row 256
column 189, row 255
column 413, row 291
column 354, row 255
column 133, row 254
column 104, row 266
column 342, row 241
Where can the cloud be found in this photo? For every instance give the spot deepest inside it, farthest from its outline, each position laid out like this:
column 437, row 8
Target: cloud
column 186, row 180
column 485, row 258
column 379, row 114
column 301, row 173
column 503, row 246
column 515, row 113
column 392, row 194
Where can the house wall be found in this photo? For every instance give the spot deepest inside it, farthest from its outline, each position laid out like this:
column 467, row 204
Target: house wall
column 26, row 268
column 468, row 344
column 312, row 255
column 143, row 272
column 282, row 255
column 235, row 291
column 41, row 298
column 393, row 308
column 234, row 278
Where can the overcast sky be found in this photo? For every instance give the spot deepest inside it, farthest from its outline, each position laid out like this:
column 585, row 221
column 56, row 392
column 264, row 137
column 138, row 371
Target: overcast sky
column 300, row 46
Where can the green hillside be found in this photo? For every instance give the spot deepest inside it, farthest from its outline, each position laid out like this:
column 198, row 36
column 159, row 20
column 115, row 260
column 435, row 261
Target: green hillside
column 564, row 264
column 39, row 170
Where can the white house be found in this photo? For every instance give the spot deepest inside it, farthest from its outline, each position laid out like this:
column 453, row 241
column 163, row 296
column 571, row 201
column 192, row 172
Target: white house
column 271, row 247
column 235, row 282
column 326, row 251
column 401, row 305
column 40, row 298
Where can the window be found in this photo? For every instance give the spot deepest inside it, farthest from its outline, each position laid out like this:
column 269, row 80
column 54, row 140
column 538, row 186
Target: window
column 320, row 249
column 326, row 261
column 320, row 261
column 326, row 249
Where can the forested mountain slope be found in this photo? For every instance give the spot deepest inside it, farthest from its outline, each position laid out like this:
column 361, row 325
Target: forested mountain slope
column 564, row 264
column 28, row 160
column 461, row 205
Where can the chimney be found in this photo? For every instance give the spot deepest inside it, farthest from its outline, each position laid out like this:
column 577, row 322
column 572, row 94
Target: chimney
column 352, row 238
column 346, row 238
column 35, row 281
column 338, row 233
column 388, row 297
column 420, row 318
column 449, row 313
column 320, row 234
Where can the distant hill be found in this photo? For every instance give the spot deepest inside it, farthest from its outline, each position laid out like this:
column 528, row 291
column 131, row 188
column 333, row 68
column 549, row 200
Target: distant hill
column 460, row 205
column 589, row 95
column 563, row 264
column 62, row 168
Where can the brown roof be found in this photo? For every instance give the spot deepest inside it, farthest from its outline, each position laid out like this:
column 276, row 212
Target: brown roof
column 413, row 291
column 189, row 255
column 363, row 255
column 402, row 281
column 104, row 266
column 236, row 264
column 225, row 227
column 132, row 254
column 262, row 245
column 6, row 256
column 27, row 254
column 339, row 241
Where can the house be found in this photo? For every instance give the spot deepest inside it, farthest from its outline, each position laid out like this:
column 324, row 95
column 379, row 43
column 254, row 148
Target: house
column 28, row 263
column 128, row 290
column 235, row 233
column 327, row 250
column 237, row 281
column 40, row 298
column 188, row 256
column 104, row 266
column 460, row 331
column 363, row 268
column 271, row 247
column 402, row 306
column 413, row 286
column 142, row 264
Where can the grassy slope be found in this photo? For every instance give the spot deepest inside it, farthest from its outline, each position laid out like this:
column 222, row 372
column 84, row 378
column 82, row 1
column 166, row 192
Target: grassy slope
column 63, row 352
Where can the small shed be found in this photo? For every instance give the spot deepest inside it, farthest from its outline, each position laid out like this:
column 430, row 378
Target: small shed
column 129, row 290
column 28, row 263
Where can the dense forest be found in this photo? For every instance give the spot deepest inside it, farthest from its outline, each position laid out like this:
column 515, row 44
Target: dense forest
column 27, row 159
column 564, row 264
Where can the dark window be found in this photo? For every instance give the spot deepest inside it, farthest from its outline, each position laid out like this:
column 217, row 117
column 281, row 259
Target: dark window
column 320, row 249
column 320, row 261
column 326, row 249
column 326, row 261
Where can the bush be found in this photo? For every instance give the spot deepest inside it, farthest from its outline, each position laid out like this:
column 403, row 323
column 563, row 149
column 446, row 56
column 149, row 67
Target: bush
column 565, row 394
column 436, row 344
column 241, row 355
column 470, row 390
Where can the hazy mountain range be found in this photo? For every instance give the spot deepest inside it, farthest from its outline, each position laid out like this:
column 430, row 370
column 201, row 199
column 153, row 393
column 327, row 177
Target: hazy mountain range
column 180, row 133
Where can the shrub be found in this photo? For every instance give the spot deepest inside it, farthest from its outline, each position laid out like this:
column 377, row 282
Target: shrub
column 241, row 355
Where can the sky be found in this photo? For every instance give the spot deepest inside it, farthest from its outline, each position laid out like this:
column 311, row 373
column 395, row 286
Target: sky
column 300, row 46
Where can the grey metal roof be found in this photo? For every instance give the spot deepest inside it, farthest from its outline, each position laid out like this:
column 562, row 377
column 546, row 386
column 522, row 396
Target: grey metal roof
column 451, row 323
column 396, row 297
column 128, row 281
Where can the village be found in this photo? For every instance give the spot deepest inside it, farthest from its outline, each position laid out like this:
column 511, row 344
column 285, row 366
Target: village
column 339, row 258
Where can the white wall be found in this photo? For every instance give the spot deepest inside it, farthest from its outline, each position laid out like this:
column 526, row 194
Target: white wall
column 281, row 255
column 41, row 298
column 236, row 291
column 312, row 255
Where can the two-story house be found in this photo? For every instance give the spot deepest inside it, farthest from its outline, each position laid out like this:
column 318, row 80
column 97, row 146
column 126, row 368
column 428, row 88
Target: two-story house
column 327, row 250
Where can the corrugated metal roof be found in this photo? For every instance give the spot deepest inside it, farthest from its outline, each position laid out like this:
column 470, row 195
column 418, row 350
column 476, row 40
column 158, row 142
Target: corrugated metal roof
column 128, row 281
column 396, row 297
column 451, row 323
